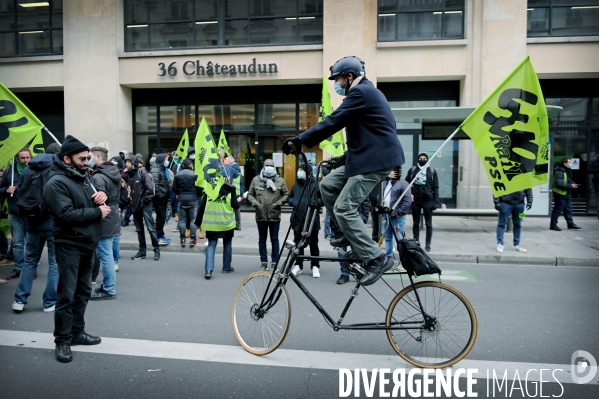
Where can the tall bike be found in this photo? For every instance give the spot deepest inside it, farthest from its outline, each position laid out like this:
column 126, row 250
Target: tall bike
column 429, row 324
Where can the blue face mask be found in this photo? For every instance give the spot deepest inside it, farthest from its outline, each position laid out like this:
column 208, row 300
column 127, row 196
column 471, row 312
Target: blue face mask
column 91, row 162
column 569, row 166
column 338, row 89
column 301, row 175
column 166, row 164
column 269, row 170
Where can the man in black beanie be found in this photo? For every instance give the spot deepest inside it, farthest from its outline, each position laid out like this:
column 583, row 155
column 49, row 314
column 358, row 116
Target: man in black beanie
column 77, row 211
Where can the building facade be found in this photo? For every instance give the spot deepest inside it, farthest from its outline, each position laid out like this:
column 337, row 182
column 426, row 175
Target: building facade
column 134, row 74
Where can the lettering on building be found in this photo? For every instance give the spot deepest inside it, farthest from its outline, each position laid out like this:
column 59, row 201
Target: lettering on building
column 199, row 68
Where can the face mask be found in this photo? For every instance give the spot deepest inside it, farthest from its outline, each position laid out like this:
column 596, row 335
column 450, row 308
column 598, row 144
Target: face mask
column 301, row 175
column 91, row 163
column 192, row 156
column 569, row 166
column 166, row 164
column 269, row 170
column 422, row 162
column 338, row 89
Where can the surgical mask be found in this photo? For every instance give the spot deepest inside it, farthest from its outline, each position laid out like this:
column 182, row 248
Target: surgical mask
column 301, row 175
column 192, row 156
column 569, row 166
column 269, row 170
column 166, row 164
column 91, row 162
column 338, row 89
column 422, row 162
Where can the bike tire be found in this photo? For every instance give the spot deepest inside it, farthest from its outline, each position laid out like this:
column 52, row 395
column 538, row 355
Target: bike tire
column 452, row 336
column 260, row 335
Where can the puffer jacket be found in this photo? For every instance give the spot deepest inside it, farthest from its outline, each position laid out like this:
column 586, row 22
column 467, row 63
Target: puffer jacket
column 67, row 197
column 427, row 192
column 158, row 172
column 266, row 197
column 38, row 163
column 141, row 185
column 108, row 179
column 515, row 198
column 185, row 187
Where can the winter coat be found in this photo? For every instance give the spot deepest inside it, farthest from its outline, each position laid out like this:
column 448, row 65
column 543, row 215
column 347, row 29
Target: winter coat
column 38, row 163
column 405, row 206
column 265, row 212
column 558, row 181
column 108, row 180
column 427, row 192
column 215, row 235
column 158, row 173
column 300, row 203
column 5, row 183
column 515, row 198
column 142, row 188
column 370, row 129
column 67, row 197
column 185, row 187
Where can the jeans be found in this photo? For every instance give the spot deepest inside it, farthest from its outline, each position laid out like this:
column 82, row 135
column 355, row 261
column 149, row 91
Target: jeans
column 514, row 211
column 187, row 214
column 399, row 227
column 227, row 253
column 263, row 229
column 160, row 209
column 17, row 231
column 237, row 218
column 105, row 253
column 145, row 214
column 327, row 225
column 33, row 254
column 426, row 207
column 344, row 271
column 314, row 250
column 73, row 292
column 116, row 248
column 561, row 205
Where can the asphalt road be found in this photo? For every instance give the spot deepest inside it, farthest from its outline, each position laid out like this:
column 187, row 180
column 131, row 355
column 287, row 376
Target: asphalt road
column 528, row 316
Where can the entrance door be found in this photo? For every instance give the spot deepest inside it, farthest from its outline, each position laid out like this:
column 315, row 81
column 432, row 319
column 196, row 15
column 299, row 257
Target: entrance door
column 574, row 146
column 446, row 165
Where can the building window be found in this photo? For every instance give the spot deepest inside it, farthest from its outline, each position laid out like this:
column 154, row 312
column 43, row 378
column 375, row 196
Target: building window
column 400, row 20
column 167, row 24
column 30, row 27
column 562, row 18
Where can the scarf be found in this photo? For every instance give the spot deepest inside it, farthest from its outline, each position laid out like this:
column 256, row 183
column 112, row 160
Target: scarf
column 20, row 167
column 421, row 179
column 266, row 181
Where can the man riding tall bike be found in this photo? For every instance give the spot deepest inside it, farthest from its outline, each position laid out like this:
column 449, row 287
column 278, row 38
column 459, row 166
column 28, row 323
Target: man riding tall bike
column 373, row 151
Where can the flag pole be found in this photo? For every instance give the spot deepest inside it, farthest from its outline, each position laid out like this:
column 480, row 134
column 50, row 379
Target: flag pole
column 51, row 135
column 12, row 170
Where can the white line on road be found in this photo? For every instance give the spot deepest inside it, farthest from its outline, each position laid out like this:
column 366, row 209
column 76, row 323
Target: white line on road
column 279, row 358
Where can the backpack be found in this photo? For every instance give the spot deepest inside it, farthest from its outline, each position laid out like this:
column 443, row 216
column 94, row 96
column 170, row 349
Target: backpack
column 124, row 195
column 415, row 260
column 31, row 194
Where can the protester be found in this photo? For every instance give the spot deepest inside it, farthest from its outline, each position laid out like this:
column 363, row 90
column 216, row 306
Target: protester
column 8, row 189
column 161, row 178
column 394, row 188
column 3, row 239
column 77, row 214
column 267, row 194
column 142, row 192
column 217, row 218
column 562, row 194
column 38, row 230
column 594, row 170
column 512, row 205
column 425, row 196
column 301, row 204
column 107, row 179
column 184, row 187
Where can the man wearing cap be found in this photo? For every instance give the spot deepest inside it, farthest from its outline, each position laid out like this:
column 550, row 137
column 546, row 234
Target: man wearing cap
column 77, row 211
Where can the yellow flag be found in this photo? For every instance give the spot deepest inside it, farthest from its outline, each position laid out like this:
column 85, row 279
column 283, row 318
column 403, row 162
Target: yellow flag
column 4, row 228
column 183, row 145
column 222, row 143
column 511, row 134
column 335, row 144
column 207, row 162
column 37, row 145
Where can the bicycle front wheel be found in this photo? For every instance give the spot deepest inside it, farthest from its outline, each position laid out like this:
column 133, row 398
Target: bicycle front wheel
column 261, row 331
column 442, row 336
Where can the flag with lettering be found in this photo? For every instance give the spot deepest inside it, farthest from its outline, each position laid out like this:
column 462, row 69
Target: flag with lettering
column 222, row 143
column 37, row 145
column 207, row 162
column 183, row 145
column 335, row 144
column 510, row 132
column 18, row 125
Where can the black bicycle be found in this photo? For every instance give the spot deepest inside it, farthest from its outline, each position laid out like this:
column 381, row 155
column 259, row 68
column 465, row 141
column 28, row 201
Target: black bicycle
column 429, row 324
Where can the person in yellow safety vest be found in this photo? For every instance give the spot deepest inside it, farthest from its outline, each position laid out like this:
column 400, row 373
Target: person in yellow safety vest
column 217, row 219
column 562, row 194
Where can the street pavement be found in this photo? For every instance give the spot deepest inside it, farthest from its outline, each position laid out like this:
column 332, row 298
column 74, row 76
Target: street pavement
column 169, row 334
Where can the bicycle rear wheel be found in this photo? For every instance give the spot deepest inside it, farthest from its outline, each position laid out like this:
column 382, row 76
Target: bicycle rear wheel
column 443, row 337
column 260, row 331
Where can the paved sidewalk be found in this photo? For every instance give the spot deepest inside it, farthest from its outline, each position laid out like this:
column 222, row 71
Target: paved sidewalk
column 455, row 239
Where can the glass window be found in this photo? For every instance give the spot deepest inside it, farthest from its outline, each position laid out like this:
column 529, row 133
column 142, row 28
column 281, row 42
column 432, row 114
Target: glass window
column 7, row 44
column 57, row 14
column 146, row 145
column 276, row 116
column 595, row 121
column 206, row 10
column 563, row 17
column 241, row 116
column 57, row 41
column 273, row 31
column 176, row 117
column 145, row 119
column 308, row 115
column 171, row 35
column 236, row 8
column 574, row 113
column 310, row 29
column 34, row 42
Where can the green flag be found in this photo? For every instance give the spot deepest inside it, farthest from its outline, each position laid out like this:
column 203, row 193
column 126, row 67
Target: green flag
column 222, row 143
column 207, row 162
column 510, row 132
column 4, row 228
column 37, row 145
column 17, row 124
column 335, row 144
column 183, row 145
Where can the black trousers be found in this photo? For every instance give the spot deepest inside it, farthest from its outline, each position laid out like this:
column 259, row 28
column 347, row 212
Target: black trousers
column 417, row 208
column 96, row 268
column 74, row 289
column 160, row 209
column 314, row 250
column 375, row 224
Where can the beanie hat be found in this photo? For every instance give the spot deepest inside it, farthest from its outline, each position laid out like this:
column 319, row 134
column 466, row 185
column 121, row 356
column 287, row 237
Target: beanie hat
column 305, row 168
column 423, row 154
column 133, row 159
column 71, row 146
column 119, row 161
column 190, row 150
column 160, row 158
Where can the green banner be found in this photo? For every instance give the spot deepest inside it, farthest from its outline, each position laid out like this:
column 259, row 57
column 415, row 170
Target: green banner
column 4, row 228
column 222, row 143
column 37, row 145
column 17, row 124
column 183, row 145
column 335, row 144
column 207, row 162
column 510, row 133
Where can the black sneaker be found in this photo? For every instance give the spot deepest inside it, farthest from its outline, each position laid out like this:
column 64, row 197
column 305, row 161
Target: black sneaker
column 156, row 255
column 427, row 248
column 573, row 226
column 100, row 295
column 139, row 255
column 375, row 269
column 208, row 274
column 63, row 353
column 554, row 227
column 13, row 275
column 231, row 270
column 85, row 339
column 342, row 279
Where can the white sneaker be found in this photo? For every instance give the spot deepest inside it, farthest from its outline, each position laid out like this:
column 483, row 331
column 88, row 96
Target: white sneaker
column 2, row 281
column 18, row 306
column 50, row 309
column 296, row 270
column 519, row 248
column 315, row 272
column 116, row 267
column 206, row 244
column 499, row 248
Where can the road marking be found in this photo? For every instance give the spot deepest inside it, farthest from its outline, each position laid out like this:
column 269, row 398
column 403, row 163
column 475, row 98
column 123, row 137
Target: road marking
column 279, row 358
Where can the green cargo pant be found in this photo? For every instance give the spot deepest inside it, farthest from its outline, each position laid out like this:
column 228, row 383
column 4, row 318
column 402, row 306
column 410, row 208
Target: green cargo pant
column 342, row 199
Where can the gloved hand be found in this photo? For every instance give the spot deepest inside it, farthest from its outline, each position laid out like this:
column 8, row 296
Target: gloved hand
column 383, row 210
column 528, row 205
column 498, row 207
column 292, row 145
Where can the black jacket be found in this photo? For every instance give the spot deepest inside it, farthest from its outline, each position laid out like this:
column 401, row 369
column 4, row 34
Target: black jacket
column 38, row 163
column 185, row 187
column 300, row 202
column 108, row 179
column 558, row 181
column 369, row 124
column 142, row 187
column 158, row 173
column 67, row 196
column 515, row 198
column 427, row 192
column 5, row 183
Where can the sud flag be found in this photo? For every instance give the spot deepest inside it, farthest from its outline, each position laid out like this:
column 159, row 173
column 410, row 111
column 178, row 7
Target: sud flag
column 183, row 145
column 37, row 145
column 222, row 143
column 510, row 132
column 335, row 144
column 207, row 162
column 17, row 124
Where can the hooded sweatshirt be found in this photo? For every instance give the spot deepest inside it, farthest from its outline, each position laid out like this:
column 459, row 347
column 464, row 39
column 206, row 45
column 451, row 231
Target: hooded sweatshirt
column 108, row 179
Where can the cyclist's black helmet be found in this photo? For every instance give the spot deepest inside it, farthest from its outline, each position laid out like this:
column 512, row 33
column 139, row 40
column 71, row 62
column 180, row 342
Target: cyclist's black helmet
column 347, row 64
